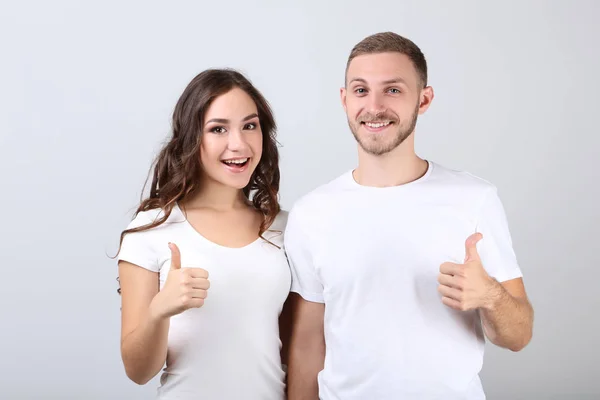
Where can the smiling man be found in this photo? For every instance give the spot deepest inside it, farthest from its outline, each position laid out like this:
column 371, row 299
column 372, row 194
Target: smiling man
column 403, row 266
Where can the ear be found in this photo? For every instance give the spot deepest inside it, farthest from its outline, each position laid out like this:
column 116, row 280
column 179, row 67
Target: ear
column 343, row 94
column 426, row 97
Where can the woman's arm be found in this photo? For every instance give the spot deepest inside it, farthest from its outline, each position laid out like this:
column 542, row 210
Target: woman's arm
column 143, row 333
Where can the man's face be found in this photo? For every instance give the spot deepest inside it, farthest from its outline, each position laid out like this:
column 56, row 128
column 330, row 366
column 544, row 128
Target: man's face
column 383, row 98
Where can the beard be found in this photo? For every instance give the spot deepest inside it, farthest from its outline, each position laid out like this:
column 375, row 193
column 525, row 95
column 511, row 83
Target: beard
column 379, row 144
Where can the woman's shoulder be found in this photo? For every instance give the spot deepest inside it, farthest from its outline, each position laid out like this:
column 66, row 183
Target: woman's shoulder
column 151, row 216
column 280, row 221
column 275, row 231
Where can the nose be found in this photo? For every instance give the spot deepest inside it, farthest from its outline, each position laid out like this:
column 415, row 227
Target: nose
column 237, row 141
column 375, row 104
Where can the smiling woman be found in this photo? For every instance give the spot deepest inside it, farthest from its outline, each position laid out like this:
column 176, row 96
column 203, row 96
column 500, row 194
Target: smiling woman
column 191, row 256
column 233, row 143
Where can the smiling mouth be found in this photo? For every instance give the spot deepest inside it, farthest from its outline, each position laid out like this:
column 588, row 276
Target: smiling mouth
column 376, row 126
column 236, row 163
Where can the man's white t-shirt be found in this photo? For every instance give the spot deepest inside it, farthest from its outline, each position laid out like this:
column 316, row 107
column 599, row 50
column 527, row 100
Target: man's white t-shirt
column 230, row 347
column 372, row 256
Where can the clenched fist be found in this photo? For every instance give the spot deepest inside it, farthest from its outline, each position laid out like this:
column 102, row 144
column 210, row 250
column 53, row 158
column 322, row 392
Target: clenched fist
column 184, row 288
column 465, row 286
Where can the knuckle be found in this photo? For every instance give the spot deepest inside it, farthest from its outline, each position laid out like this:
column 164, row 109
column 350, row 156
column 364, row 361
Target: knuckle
column 186, row 300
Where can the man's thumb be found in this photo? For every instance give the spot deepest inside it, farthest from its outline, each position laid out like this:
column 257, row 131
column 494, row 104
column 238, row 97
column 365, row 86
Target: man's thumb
column 175, row 256
column 471, row 253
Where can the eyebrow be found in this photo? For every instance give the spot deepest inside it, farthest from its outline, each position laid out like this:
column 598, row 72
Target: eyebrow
column 386, row 82
column 226, row 121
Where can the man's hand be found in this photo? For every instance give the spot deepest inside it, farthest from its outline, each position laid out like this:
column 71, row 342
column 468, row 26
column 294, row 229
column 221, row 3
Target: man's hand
column 466, row 286
column 506, row 313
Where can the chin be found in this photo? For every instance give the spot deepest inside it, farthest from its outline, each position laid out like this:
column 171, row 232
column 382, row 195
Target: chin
column 237, row 177
column 237, row 183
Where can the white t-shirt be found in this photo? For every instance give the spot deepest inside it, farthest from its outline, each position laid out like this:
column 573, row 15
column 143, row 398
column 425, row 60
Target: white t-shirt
column 372, row 255
column 230, row 347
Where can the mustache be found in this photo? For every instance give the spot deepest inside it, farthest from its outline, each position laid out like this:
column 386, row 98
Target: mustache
column 379, row 117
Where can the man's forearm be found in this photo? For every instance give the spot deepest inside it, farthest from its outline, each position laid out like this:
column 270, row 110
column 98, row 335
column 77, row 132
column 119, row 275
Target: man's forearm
column 307, row 349
column 507, row 320
column 303, row 369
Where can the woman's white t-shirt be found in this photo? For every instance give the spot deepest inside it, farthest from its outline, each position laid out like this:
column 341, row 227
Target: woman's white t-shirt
column 230, row 347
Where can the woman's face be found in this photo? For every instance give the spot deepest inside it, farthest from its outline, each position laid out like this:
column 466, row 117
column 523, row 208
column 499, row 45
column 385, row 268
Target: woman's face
column 231, row 144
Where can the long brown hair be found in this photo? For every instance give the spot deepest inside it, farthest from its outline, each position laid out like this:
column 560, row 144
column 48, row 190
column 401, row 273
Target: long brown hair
column 177, row 169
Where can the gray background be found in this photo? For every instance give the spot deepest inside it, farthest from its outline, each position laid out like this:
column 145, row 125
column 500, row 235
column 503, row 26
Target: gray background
column 86, row 93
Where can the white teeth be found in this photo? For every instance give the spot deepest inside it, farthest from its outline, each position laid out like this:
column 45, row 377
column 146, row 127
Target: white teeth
column 377, row 125
column 239, row 161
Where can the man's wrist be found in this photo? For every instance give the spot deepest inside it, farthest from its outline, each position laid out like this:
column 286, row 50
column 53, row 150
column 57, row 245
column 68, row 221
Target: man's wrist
column 493, row 295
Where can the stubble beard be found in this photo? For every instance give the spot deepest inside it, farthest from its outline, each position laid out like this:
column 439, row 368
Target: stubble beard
column 376, row 144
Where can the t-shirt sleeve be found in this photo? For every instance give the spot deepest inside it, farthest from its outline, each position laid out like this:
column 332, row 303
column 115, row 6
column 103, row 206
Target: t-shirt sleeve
column 137, row 247
column 305, row 280
column 496, row 248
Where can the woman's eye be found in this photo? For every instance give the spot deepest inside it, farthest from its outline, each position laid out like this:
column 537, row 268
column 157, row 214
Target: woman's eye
column 218, row 129
column 250, row 126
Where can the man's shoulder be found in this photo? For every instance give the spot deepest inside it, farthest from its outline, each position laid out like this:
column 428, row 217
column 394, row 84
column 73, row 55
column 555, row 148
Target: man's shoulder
column 459, row 179
column 323, row 196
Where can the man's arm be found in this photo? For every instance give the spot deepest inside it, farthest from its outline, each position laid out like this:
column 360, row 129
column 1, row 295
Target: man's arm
column 507, row 315
column 307, row 349
column 285, row 330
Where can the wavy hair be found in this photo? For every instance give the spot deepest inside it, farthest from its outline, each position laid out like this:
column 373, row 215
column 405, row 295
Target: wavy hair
column 177, row 169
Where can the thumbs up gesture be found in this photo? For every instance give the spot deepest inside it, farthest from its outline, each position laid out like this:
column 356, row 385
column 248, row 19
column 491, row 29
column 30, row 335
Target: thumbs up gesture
column 184, row 288
column 465, row 286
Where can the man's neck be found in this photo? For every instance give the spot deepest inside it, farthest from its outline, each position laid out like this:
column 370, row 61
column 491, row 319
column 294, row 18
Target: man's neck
column 398, row 167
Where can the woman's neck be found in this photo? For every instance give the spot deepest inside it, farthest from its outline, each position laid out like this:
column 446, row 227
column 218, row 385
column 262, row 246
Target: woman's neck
column 216, row 196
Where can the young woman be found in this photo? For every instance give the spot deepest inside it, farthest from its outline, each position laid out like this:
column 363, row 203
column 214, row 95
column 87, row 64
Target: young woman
column 203, row 275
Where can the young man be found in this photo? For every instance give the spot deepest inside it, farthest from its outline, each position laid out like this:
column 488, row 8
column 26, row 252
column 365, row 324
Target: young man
column 403, row 266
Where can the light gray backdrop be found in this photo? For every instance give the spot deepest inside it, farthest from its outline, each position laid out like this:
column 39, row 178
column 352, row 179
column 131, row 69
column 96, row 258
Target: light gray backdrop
column 86, row 93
